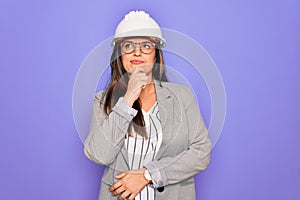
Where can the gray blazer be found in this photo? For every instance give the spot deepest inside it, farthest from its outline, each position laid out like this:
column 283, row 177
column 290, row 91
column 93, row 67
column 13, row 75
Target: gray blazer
column 183, row 153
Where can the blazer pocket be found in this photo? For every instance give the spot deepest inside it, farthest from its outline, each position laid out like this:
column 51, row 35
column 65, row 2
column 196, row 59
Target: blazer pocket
column 187, row 182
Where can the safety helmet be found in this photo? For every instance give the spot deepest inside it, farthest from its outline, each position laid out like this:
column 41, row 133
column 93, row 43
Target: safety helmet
column 138, row 23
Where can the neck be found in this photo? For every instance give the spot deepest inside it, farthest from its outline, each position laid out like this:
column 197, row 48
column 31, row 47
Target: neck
column 148, row 91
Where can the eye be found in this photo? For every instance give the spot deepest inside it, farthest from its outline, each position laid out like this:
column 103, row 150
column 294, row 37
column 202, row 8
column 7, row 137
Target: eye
column 146, row 45
column 127, row 45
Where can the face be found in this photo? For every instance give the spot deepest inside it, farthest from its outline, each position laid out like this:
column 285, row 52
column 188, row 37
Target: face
column 138, row 52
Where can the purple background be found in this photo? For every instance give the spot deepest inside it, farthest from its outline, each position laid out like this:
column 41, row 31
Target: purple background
column 255, row 44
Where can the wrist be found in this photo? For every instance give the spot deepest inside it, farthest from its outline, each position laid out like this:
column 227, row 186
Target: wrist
column 147, row 176
column 127, row 100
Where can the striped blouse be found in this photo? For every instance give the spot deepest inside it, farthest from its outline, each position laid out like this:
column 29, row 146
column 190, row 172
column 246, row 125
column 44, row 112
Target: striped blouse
column 141, row 150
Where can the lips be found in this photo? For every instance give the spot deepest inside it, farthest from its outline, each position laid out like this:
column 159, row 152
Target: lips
column 136, row 62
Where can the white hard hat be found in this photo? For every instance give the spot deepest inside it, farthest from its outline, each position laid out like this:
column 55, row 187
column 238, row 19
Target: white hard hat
column 138, row 23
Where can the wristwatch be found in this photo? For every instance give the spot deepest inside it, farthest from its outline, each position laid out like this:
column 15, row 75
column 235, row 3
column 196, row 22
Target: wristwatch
column 147, row 176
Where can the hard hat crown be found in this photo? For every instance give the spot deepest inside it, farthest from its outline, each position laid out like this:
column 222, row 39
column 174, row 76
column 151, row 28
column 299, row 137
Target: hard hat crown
column 138, row 23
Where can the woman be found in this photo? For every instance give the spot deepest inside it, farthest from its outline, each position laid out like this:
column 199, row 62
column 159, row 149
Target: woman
column 149, row 133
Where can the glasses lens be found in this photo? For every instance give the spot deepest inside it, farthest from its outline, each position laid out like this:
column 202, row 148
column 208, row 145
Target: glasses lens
column 127, row 47
column 147, row 47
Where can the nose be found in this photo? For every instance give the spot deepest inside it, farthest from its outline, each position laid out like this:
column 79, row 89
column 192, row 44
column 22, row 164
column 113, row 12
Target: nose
column 137, row 51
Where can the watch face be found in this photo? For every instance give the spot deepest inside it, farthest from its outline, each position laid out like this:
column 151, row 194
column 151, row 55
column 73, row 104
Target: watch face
column 147, row 175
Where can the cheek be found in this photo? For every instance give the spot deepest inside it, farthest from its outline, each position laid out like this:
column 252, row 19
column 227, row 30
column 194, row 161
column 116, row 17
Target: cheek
column 125, row 62
column 151, row 59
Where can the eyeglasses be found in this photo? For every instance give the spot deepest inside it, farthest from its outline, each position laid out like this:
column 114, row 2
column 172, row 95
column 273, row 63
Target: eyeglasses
column 146, row 47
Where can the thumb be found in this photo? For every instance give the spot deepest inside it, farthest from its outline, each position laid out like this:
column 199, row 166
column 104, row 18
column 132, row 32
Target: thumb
column 120, row 175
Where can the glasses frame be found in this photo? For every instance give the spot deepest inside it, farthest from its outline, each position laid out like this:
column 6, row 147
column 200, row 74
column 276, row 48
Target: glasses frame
column 154, row 44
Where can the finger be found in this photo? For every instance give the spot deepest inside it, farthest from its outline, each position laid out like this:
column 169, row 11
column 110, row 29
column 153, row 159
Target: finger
column 115, row 186
column 144, row 86
column 141, row 81
column 140, row 85
column 145, row 78
column 124, row 195
column 137, row 83
column 137, row 70
column 132, row 196
column 119, row 190
column 137, row 76
column 120, row 175
column 144, row 82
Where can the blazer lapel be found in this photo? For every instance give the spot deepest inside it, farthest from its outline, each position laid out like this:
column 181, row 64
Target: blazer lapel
column 166, row 112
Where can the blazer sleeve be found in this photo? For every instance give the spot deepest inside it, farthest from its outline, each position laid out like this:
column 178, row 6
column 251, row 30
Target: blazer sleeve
column 107, row 132
column 171, row 170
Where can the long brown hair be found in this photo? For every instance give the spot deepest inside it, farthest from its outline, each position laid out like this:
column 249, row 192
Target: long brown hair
column 118, row 85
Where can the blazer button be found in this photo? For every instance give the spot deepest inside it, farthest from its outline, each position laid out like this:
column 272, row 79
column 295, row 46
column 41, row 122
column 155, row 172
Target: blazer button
column 161, row 189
